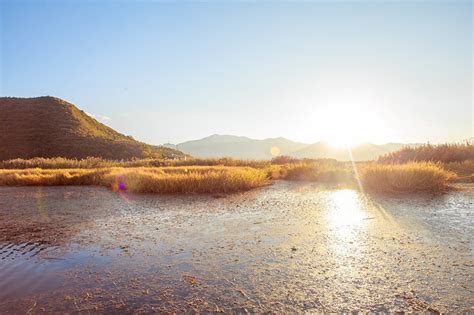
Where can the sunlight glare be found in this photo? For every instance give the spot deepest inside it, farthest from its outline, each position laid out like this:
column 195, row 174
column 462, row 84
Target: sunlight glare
column 344, row 123
column 348, row 126
column 347, row 208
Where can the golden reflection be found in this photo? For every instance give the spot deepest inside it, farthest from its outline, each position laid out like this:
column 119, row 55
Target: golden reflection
column 345, row 217
column 347, row 208
column 42, row 211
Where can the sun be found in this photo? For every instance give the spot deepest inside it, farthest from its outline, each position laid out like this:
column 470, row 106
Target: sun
column 346, row 126
column 347, row 135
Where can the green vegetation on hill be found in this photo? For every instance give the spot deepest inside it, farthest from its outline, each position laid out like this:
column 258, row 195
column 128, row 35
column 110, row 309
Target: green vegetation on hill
column 51, row 127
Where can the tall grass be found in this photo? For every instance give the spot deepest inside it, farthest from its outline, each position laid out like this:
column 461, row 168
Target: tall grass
column 410, row 177
column 228, row 175
column 152, row 180
column 464, row 170
column 325, row 172
column 446, row 153
column 93, row 163
column 376, row 177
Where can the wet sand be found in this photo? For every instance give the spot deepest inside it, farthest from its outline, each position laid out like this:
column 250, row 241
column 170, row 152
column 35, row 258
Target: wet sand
column 289, row 247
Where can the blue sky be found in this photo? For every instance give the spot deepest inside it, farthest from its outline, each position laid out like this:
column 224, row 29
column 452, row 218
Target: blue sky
column 166, row 71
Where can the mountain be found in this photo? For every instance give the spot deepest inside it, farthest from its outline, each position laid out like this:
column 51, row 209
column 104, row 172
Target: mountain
column 51, row 127
column 247, row 148
column 238, row 147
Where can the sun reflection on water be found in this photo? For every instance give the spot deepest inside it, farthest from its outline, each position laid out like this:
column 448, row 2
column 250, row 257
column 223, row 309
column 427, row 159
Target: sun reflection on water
column 346, row 210
column 345, row 218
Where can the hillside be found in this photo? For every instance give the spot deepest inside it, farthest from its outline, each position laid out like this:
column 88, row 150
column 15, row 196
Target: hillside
column 51, row 127
column 247, row 148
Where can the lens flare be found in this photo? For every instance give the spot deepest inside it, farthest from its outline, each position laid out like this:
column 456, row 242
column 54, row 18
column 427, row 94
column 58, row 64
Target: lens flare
column 275, row 151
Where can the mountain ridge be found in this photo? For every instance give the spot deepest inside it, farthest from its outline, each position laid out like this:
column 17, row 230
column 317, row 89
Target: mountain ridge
column 48, row 126
column 216, row 146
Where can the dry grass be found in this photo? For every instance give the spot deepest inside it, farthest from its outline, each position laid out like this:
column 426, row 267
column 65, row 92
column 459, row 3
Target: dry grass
column 410, row 177
column 228, row 175
column 152, row 180
column 455, row 158
column 319, row 173
column 94, row 163
column 464, row 170
column 445, row 153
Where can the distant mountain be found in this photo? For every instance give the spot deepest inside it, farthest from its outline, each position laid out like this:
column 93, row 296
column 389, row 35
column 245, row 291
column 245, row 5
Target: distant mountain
column 238, row 147
column 51, row 127
column 247, row 148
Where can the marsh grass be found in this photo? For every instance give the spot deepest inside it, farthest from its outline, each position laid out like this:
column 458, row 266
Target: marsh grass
column 94, row 163
column 464, row 170
column 445, row 153
column 152, row 180
column 375, row 177
column 318, row 172
column 410, row 177
column 230, row 175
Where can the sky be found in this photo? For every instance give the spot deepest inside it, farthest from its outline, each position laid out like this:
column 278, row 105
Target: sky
column 358, row 71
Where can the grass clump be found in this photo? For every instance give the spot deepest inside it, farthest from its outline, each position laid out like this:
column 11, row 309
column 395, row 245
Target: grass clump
column 192, row 180
column 146, row 180
column 410, row 177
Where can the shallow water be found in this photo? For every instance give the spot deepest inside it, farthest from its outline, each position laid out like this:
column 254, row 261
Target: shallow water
column 289, row 247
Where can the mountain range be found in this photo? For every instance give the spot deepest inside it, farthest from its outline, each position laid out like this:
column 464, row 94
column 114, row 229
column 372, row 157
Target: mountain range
column 246, row 148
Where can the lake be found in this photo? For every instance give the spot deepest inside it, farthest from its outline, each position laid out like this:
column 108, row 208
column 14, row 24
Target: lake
column 288, row 247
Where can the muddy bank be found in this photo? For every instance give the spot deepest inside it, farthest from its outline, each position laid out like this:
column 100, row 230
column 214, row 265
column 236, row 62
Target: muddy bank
column 289, row 247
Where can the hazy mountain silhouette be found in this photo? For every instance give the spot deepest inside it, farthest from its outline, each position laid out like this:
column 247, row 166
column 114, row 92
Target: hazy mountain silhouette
column 51, row 127
column 247, row 148
column 238, row 147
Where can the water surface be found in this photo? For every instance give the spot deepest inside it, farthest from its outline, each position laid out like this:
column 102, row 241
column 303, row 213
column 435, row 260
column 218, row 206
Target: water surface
column 289, row 247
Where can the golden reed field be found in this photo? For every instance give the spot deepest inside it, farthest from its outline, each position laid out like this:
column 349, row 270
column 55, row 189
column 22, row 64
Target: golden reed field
column 427, row 168
column 194, row 179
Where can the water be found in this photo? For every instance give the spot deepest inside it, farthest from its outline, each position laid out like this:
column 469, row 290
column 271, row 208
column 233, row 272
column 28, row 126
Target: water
column 289, row 247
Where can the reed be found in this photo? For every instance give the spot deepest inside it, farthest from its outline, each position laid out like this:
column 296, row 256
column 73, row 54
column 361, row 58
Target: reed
column 464, row 170
column 94, row 163
column 410, row 177
column 446, row 153
column 153, row 180
column 324, row 171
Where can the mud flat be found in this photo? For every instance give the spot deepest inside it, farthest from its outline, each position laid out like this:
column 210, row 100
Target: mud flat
column 289, row 247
